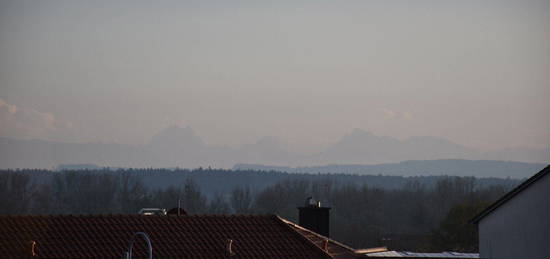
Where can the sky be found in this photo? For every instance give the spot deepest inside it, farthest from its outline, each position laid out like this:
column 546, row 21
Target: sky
column 305, row 72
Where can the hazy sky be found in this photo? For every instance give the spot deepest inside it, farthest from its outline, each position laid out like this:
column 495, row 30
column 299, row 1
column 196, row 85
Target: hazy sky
column 308, row 72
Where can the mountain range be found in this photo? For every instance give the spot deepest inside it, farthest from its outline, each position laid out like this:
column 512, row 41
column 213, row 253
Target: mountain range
column 181, row 147
column 411, row 168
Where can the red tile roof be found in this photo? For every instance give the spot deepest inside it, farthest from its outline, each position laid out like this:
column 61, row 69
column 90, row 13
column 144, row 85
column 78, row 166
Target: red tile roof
column 107, row 236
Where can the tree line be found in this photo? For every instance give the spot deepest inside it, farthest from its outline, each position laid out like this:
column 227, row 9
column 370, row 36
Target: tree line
column 415, row 217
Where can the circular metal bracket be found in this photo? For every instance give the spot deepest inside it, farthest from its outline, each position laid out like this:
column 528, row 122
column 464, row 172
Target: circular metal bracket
column 128, row 254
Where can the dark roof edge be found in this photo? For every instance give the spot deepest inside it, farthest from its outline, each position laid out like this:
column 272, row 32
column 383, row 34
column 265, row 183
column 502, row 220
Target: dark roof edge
column 318, row 235
column 510, row 194
column 286, row 222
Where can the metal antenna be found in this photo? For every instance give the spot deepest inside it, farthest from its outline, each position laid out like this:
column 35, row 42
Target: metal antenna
column 179, row 205
column 179, row 201
column 128, row 254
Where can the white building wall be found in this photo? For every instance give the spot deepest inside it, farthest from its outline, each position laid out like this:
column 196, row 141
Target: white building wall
column 519, row 228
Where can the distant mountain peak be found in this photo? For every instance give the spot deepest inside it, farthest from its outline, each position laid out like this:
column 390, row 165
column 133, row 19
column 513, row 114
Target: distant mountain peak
column 177, row 136
column 360, row 137
column 430, row 138
column 361, row 132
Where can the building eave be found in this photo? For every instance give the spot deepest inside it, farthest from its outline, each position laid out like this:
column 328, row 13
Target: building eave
column 511, row 194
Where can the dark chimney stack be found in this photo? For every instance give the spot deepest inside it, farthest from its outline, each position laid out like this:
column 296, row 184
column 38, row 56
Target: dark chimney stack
column 314, row 217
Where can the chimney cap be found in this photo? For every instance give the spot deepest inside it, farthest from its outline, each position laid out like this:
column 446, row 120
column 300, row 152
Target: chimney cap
column 310, row 202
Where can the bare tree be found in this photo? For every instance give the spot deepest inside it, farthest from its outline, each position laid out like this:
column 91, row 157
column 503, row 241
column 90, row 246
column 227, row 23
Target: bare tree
column 218, row 204
column 15, row 190
column 241, row 200
column 192, row 200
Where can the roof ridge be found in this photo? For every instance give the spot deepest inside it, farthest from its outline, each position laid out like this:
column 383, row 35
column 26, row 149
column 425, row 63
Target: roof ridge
column 318, row 235
column 284, row 222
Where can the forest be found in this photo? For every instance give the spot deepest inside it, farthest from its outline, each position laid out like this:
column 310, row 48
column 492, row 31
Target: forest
column 402, row 213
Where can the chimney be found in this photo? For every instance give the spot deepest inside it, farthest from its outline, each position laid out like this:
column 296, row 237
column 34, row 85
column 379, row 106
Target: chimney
column 314, row 217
